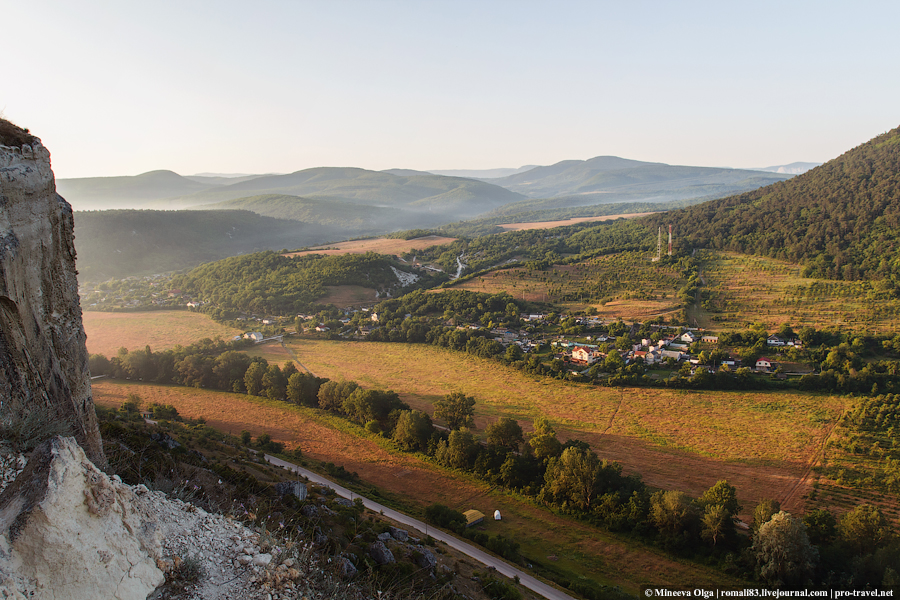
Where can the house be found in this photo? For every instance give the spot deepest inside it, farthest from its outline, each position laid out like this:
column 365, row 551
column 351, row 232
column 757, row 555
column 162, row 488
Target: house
column 774, row 340
column 710, row 339
column 363, row 330
column 677, row 355
column 256, row 336
column 374, row 316
column 584, row 355
column 322, row 328
column 689, row 337
column 652, row 357
column 473, row 517
column 763, row 364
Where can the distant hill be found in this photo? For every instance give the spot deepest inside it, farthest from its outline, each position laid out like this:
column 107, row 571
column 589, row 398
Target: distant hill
column 95, row 193
column 614, row 179
column 483, row 173
column 841, row 219
column 795, row 168
column 319, row 210
column 120, row 243
column 427, row 192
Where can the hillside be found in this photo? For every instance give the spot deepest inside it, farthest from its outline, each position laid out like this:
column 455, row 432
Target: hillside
column 420, row 191
column 96, row 193
column 614, row 179
column 121, row 243
column 842, row 219
column 321, row 210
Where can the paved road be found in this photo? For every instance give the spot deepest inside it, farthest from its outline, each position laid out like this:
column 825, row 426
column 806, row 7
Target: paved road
column 503, row 567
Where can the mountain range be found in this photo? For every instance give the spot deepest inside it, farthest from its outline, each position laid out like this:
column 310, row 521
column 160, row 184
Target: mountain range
column 324, row 204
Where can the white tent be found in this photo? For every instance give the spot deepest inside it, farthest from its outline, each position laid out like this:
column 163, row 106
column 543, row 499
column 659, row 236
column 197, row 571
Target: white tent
column 496, row 515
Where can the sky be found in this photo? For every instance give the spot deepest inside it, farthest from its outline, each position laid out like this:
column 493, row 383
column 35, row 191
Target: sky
column 121, row 88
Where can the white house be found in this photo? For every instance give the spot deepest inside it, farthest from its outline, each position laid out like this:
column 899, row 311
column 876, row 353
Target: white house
column 585, row 355
column 763, row 364
column 688, row 337
column 254, row 335
column 774, row 340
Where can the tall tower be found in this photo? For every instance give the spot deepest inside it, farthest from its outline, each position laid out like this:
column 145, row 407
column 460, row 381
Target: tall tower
column 659, row 244
column 670, row 240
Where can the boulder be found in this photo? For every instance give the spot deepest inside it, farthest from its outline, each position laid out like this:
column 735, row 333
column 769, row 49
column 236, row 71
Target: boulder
column 297, row 488
column 347, row 568
column 380, row 553
column 67, row 531
column 401, row 535
column 424, row 558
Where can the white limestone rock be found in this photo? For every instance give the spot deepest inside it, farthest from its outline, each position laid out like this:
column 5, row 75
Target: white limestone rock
column 67, row 531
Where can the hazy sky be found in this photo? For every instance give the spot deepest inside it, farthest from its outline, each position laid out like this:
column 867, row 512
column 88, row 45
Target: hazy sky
column 119, row 88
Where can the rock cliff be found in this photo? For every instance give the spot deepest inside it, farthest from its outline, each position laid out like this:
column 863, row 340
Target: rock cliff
column 43, row 359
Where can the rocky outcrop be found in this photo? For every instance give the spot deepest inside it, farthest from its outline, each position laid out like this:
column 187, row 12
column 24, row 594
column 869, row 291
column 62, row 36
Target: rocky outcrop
column 43, row 359
column 70, row 532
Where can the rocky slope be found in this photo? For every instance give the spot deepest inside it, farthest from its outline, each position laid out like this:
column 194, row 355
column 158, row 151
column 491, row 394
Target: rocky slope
column 43, row 360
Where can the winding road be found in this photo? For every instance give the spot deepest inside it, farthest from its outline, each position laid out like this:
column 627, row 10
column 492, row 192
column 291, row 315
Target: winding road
column 481, row 556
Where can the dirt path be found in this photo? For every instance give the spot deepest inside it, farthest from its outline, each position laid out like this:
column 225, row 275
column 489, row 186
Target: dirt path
column 793, row 500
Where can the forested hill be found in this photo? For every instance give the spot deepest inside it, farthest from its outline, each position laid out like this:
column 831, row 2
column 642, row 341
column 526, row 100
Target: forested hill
column 841, row 219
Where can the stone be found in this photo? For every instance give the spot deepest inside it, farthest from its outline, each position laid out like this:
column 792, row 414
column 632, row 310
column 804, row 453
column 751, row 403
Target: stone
column 424, row 558
column 310, row 511
column 381, row 554
column 343, row 502
column 384, row 536
column 297, row 488
column 262, row 560
column 69, row 531
column 401, row 535
column 43, row 359
column 347, row 568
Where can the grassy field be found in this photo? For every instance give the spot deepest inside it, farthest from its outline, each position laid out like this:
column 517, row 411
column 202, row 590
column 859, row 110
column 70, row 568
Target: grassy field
column 564, row 222
column 378, row 245
column 648, row 290
column 568, row 545
column 763, row 443
column 744, row 289
column 161, row 330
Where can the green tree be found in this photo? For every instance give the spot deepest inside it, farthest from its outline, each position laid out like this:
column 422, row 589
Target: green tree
column 457, row 409
column 506, row 433
column 462, row 449
column 673, row 512
column 722, row 494
column 253, row 378
column 763, row 512
column 716, row 523
column 784, row 555
column 273, row 383
column 412, row 430
column 864, row 528
column 572, row 477
column 821, row 526
column 333, row 393
column 543, row 440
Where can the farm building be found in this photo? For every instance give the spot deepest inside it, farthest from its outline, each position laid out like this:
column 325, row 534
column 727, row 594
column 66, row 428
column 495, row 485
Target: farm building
column 473, row 517
column 710, row 339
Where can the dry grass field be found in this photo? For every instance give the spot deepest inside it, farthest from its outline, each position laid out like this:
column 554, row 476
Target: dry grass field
column 564, row 222
column 161, row 330
column 378, row 245
column 647, row 291
column 577, row 547
column 745, row 289
column 763, row 443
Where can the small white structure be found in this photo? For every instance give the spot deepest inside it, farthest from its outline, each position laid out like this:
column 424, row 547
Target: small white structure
column 497, row 515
